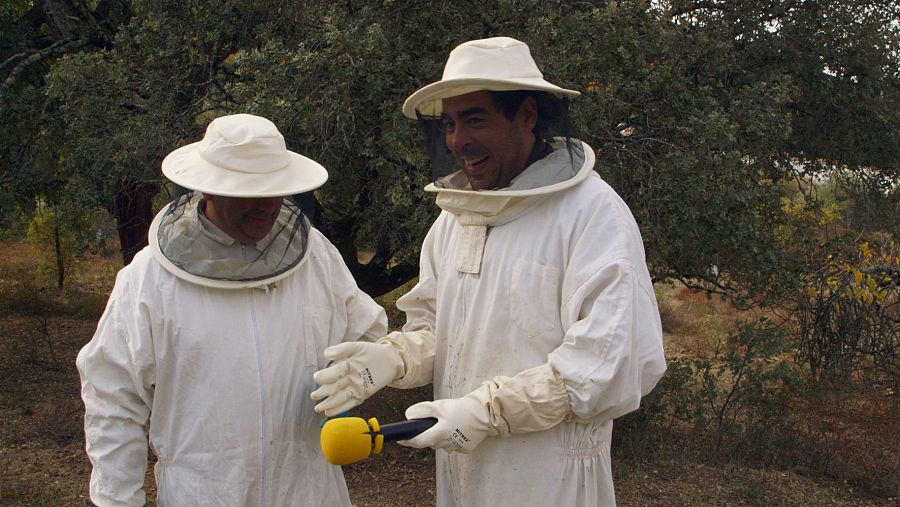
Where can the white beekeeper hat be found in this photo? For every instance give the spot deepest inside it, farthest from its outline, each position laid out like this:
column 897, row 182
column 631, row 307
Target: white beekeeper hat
column 243, row 155
column 497, row 64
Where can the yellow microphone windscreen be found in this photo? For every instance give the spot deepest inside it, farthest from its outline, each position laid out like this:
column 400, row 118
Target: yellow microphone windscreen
column 345, row 440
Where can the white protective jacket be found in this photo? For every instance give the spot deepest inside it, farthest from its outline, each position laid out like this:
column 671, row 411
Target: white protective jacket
column 551, row 271
column 223, row 376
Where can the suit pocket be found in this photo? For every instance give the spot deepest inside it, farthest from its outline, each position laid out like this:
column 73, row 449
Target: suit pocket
column 534, row 298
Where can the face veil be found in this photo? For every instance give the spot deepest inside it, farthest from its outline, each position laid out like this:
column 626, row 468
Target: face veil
column 554, row 125
column 187, row 244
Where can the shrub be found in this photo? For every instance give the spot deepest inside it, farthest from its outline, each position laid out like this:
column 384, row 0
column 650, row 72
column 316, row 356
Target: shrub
column 728, row 399
column 746, row 387
column 54, row 241
column 642, row 433
column 848, row 314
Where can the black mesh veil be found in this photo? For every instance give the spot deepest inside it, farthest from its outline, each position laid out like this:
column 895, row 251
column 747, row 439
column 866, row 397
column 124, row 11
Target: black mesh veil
column 554, row 125
column 192, row 247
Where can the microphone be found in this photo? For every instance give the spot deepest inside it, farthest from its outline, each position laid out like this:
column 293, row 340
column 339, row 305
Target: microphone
column 346, row 440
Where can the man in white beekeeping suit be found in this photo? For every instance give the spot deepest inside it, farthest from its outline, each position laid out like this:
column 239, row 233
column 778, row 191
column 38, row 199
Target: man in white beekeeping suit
column 212, row 335
column 534, row 313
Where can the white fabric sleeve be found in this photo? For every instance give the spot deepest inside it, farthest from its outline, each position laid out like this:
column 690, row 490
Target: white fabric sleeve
column 612, row 352
column 416, row 340
column 532, row 400
column 117, row 378
column 366, row 319
column 416, row 350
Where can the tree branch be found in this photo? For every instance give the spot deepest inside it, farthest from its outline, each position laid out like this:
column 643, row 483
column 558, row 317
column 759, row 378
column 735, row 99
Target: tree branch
column 697, row 6
column 50, row 52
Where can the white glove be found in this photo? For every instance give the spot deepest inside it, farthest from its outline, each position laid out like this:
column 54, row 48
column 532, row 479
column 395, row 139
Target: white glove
column 462, row 422
column 360, row 369
column 533, row 400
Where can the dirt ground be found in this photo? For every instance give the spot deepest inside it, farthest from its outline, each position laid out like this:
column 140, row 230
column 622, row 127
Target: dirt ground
column 43, row 463
column 42, row 459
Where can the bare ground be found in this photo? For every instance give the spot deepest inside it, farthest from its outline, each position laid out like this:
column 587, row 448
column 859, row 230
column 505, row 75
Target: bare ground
column 42, row 459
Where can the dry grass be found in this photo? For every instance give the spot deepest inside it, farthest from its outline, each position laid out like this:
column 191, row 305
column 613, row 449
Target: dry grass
column 845, row 432
column 695, row 323
column 847, row 438
column 850, row 433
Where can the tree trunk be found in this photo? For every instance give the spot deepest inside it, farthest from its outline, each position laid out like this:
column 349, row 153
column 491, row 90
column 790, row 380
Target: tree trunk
column 60, row 265
column 133, row 209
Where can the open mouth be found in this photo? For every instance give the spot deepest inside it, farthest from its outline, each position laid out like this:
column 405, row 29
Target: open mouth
column 475, row 164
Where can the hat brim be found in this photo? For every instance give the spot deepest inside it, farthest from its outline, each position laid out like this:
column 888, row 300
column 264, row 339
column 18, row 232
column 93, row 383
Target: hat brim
column 185, row 167
column 427, row 100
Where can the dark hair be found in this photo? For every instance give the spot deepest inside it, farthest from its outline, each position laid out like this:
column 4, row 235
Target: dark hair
column 553, row 112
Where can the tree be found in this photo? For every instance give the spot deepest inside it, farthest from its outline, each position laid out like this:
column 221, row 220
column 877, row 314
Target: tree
column 36, row 36
column 699, row 111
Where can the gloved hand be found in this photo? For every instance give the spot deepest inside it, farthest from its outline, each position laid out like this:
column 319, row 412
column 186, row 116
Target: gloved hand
column 359, row 370
column 462, row 422
column 533, row 400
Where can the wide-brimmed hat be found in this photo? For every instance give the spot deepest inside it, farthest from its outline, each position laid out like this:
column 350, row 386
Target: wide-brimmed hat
column 243, row 155
column 498, row 64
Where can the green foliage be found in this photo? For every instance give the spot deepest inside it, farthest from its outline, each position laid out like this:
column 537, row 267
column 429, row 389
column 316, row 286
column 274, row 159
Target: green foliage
column 869, row 202
column 15, row 223
column 641, row 433
column 56, row 242
column 729, row 399
column 26, row 295
column 62, row 234
column 748, row 402
column 841, row 296
column 698, row 112
column 848, row 314
column 373, row 200
column 746, row 388
column 33, row 37
column 20, row 131
column 686, row 137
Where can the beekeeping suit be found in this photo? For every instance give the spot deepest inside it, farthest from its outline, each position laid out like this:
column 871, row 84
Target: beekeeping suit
column 556, row 335
column 534, row 314
column 210, row 344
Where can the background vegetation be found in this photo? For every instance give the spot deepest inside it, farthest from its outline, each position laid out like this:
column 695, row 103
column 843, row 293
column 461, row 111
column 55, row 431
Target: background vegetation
column 756, row 143
column 734, row 421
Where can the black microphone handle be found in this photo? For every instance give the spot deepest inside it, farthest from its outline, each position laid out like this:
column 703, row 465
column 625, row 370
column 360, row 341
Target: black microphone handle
column 404, row 430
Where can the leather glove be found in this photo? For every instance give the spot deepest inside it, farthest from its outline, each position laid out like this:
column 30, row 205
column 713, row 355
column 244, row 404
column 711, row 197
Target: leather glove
column 358, row 371
column 462, row 422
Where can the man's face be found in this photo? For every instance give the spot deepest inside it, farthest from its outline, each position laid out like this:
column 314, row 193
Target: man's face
column 491, row 148
column 246, row 219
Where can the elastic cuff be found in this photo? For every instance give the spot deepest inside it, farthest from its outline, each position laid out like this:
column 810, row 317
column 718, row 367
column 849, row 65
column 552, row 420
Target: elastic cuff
column 416, row 351
column 533, row 400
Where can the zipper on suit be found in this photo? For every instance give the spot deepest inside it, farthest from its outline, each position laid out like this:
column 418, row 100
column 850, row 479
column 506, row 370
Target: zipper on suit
column 263, row 427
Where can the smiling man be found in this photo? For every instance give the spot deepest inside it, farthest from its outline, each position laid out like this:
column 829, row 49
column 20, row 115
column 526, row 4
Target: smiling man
column 534, row 314
column 489, row 145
